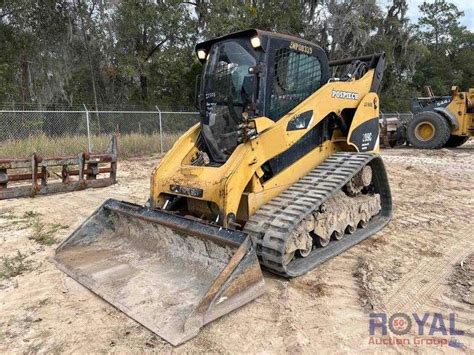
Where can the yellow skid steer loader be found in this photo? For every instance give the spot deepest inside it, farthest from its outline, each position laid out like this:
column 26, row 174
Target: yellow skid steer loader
column 282, row 172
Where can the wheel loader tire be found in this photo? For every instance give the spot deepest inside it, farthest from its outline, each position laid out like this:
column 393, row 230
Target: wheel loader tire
column 456, row 141
column 428, row 130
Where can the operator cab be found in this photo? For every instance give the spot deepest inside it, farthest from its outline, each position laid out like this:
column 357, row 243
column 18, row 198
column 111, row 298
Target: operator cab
column 250, row 74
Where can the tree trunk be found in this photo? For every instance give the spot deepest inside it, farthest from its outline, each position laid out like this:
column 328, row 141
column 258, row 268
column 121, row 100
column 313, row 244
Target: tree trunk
column 144, row 86
column 25, row 80
column 89, row 57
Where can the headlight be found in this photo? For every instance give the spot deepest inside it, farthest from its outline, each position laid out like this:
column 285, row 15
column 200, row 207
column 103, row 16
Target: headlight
column 201, row 53
column 255, row 41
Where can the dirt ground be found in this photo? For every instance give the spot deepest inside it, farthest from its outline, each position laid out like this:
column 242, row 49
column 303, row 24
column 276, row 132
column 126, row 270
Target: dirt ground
column 422, row 262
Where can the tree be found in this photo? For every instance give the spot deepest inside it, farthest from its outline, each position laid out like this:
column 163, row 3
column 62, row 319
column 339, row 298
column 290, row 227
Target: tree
column 449, row 48
column 395, row 37
column 145, row 30
column 35, row 55
column 438, row 21
column 69, row 52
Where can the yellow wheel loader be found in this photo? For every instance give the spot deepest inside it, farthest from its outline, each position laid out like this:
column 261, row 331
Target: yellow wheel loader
column 281, row 172
column 441, row 121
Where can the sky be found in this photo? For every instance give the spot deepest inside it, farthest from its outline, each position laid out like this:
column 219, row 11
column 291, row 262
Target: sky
column 464, row 5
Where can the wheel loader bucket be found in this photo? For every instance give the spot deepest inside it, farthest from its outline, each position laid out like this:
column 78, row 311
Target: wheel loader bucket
column 170, row 273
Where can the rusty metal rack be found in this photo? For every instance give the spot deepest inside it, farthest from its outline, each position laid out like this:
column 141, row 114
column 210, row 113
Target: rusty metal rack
column 31, row 177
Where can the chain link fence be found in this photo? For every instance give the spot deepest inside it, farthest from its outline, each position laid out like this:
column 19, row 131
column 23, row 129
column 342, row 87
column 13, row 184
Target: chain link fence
column 52, row 133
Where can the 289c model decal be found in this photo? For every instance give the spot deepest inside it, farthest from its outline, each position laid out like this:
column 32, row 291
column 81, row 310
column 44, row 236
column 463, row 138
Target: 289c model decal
column 365, row 136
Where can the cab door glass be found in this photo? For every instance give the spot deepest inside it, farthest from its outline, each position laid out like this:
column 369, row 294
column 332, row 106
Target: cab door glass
column 296, row 75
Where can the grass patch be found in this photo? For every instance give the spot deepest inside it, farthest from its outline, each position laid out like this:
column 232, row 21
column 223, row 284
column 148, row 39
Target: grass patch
column 44, row 233
column 18, row 222
column 14, row 265
column 8, row 215
column 129, row 145
column 30, row 214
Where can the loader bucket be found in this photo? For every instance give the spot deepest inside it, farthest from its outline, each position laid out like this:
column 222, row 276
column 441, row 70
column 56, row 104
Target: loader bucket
column 170, row 273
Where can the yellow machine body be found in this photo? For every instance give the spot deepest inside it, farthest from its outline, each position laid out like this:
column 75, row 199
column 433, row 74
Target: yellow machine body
column 462, row 108
column 236, row 186
column 195, row 252
column 442, row 121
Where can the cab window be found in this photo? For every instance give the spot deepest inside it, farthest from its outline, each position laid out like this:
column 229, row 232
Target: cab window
column 296, row 75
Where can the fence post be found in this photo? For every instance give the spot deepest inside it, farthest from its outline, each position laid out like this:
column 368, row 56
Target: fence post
column 161, row 129
column 89, row 147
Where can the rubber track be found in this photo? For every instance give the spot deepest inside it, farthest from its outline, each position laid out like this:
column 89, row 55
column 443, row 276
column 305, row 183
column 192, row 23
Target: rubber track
column 271, row 226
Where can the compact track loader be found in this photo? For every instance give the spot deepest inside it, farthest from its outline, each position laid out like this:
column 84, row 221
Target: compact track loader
column 441, row 121
column 281, row 172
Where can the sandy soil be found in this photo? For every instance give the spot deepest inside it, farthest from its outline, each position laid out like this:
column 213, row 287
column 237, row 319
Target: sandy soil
column 423, row 261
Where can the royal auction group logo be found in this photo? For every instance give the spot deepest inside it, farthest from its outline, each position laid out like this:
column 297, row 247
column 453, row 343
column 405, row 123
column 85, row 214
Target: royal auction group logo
column 419, row 329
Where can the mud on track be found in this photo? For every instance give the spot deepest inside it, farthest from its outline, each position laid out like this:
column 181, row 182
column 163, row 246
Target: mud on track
column 422, row 262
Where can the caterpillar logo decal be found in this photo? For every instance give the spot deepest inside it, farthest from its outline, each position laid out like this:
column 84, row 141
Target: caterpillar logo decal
column 339, row 94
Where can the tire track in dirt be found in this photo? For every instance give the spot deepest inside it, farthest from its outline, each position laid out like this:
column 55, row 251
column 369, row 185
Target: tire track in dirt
column 435, row 211
column 420, row 284
column 439, row 223
column 432, row 203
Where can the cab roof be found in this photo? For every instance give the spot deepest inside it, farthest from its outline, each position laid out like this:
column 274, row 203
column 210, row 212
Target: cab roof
column 206, row 45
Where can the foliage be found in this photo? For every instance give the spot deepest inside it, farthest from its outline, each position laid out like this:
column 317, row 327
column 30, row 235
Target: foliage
column 44, row 233
column 438, row 22
column 449, row 48
column 140, row 52
column 11, row 266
